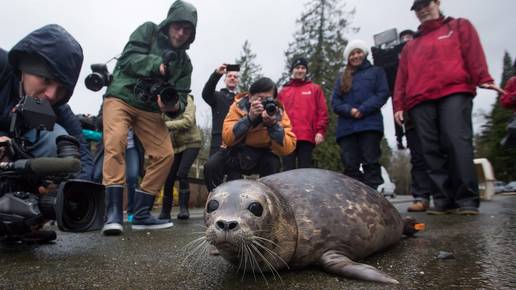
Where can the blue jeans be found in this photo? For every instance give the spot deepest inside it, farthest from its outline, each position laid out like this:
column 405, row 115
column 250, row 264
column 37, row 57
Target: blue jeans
column 132, row 169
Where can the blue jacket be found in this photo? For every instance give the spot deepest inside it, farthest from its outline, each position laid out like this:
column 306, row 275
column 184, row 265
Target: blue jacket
column 65, row 57
column 369, row 92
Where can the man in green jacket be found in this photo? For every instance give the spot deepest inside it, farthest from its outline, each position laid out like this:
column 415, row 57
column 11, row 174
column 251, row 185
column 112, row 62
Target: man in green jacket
column 143, row 61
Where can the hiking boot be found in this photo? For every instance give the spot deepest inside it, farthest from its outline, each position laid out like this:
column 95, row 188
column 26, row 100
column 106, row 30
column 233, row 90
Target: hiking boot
column 468, row 211
column 418, row 206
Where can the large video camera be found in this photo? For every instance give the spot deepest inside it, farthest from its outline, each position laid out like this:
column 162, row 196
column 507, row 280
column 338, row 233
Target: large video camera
column 386, row 53
column 76, row 205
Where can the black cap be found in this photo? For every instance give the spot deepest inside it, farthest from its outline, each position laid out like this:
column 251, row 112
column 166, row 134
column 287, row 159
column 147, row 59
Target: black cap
column 299, row 61
column 420, row 3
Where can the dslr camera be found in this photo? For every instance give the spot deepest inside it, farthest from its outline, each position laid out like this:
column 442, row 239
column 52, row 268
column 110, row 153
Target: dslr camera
column 100, row 77
column 148, row 89
column 270, row 106
column 76, row 205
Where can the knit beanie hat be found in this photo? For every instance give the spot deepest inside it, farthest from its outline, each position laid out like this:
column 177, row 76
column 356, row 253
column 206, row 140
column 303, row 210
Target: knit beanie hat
column 299, row 61
column 354, row 44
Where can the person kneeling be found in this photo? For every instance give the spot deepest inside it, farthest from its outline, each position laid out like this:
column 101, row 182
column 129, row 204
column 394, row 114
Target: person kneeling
column 256, row 130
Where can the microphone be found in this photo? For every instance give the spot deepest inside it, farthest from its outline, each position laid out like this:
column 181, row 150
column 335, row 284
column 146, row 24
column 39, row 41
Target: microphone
column 43, row 166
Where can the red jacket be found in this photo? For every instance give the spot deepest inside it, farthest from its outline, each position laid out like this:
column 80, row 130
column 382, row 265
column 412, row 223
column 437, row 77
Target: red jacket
column 306, row 107
column 445, row 58
column 508, row 99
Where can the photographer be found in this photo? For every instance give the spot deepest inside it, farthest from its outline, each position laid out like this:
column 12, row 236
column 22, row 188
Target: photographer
column 256, row 130
column 219, row 101
column 46, row 65
column 146, row 59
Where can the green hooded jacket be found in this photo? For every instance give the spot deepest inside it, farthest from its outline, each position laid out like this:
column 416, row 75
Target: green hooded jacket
column 142, row 57
column 183, row 129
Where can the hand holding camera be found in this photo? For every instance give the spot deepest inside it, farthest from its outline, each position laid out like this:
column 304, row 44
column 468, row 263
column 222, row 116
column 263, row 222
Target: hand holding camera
column 256, row 110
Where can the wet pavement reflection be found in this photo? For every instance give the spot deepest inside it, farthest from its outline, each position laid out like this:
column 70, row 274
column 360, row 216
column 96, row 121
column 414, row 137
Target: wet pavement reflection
column 479, row 252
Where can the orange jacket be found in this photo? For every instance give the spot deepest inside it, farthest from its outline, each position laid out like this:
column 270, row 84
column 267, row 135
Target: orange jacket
column 259, row 135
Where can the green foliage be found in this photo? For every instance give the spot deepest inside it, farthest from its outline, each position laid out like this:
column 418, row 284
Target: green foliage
column 320, row 39
column 488, row 142
column 249, row 70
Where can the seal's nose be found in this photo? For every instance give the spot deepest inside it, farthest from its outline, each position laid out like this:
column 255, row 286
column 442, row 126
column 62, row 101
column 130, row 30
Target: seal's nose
column 227, row 225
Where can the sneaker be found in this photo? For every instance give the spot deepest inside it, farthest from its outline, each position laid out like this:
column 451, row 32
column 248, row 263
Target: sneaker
column 440, row 211
column 418, row 206
column 130, row 218
column 468, row 211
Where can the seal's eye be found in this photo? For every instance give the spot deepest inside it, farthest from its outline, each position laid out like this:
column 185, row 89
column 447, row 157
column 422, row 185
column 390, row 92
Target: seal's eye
column 255, row 208
column 212, row 206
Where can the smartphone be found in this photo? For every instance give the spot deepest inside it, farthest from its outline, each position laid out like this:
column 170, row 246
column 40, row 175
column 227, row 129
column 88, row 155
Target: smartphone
column 233, row 67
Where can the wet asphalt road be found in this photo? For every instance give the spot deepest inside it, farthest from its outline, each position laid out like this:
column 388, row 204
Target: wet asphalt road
column 483, row 247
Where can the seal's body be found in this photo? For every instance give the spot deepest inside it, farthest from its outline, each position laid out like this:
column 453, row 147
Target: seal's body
column 299, row 218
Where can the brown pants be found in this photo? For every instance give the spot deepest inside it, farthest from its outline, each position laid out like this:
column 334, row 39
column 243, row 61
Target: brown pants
column 151, row 131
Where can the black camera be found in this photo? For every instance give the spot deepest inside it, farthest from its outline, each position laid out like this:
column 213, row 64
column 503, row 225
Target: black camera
column 148, row 89
column 100, row 77
column 76, row 205
column 270, row 106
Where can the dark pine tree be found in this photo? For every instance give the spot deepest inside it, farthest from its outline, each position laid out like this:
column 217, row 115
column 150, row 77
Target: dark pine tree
column 249, row 70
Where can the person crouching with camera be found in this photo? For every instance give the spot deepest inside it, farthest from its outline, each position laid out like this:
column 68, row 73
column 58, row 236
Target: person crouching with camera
column 256, row 130
column 153, row 75
column 44, row 65
column 37, row 78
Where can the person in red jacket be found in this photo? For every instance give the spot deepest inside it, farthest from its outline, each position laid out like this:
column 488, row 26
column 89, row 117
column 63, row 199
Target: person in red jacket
column 436, row 81
column 305, row 104
column 508, row 99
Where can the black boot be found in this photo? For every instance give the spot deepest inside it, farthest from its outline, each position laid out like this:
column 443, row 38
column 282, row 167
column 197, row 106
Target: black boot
column 166, row 205
column 184, row 198
column 114, row 211
column 143, row 220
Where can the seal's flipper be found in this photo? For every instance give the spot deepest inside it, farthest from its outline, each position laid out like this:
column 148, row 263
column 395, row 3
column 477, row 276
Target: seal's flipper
column 339, row 264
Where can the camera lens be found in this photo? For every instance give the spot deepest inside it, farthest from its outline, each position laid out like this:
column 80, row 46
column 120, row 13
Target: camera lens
column 168, row 95
column 94, row 82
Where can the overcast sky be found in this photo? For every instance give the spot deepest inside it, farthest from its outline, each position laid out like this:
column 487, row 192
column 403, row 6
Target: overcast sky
column 103, row 27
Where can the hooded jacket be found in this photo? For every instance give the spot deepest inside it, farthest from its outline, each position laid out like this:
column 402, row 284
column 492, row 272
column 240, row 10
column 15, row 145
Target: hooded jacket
column 64, row 57
column 305, row 104
column 183, row 129
column 143, row 55
column 369, row 92
column 445, row 58
column 238, row 127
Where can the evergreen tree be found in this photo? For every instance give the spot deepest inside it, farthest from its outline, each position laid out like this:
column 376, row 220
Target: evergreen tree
column 249, row 70
column 320, row 39
column 488, row 143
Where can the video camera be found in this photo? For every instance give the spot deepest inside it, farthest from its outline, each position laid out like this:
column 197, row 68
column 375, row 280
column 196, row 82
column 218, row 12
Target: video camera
column 76, row 205
column 386, row 54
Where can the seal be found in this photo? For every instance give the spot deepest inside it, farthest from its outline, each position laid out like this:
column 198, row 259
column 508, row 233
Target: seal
column 300, row 218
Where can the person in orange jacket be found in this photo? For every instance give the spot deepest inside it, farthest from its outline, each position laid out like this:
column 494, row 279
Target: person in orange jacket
column 256, row 131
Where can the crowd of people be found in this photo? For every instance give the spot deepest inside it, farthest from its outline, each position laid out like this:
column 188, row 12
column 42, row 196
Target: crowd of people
column 264, row 129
